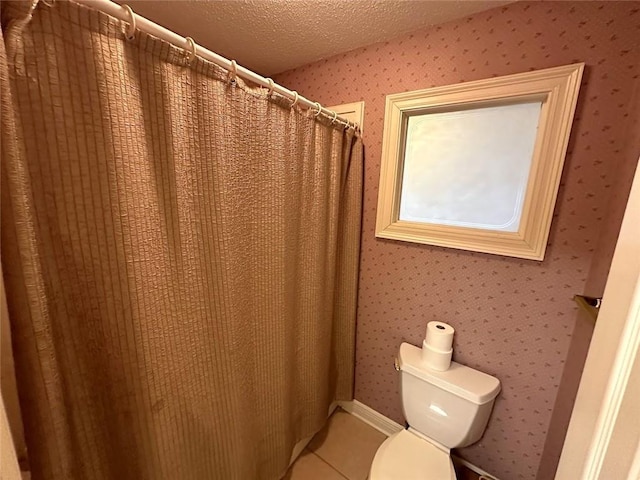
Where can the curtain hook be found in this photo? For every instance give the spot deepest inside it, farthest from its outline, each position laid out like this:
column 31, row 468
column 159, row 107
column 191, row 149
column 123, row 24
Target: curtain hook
column 295, row 99
column 271, row 86
column 319, row 107
column 233, row 70
column 192, row 49
column 335, row 116
column 131, row 29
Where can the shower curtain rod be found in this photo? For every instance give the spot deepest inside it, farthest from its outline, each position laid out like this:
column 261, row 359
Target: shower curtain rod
column 125, row 14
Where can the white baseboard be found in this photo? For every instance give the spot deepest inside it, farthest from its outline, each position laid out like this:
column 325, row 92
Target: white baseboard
column 471, row 466
column 389, row 427
column 370, row 416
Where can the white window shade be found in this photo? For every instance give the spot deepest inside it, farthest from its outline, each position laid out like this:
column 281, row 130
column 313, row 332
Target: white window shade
column 469, row 168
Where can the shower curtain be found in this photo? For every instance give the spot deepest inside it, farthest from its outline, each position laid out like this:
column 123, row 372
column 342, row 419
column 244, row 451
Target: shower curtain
column 180, row 252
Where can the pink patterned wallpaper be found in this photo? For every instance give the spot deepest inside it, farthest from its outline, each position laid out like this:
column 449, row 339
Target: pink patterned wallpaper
column 514, row 318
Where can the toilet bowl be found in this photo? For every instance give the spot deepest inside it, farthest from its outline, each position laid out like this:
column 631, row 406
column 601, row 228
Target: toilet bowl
column 444, row 410
column 404, row 455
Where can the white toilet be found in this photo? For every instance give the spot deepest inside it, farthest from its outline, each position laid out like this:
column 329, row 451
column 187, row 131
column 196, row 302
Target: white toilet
column 444, row 410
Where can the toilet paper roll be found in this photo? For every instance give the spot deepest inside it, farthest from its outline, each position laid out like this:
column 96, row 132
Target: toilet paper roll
column 439, row 335
column 435, row 359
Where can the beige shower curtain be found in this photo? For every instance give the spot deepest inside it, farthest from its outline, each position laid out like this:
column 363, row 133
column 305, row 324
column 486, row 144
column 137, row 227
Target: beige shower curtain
column 180, row 255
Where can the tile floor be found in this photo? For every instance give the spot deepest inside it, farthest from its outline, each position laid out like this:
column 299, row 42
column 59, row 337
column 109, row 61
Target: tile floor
column 344, row 450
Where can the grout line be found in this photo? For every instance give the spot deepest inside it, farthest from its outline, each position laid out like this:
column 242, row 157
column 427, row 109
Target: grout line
column 331, row 466
column 365, row 474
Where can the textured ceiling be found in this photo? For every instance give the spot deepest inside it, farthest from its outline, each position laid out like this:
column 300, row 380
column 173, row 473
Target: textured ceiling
column 271, row 36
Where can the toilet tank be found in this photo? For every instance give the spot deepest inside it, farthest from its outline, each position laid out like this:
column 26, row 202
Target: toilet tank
column 450, row 407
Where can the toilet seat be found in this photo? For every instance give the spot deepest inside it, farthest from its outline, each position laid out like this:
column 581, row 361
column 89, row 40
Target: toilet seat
column 406, row 456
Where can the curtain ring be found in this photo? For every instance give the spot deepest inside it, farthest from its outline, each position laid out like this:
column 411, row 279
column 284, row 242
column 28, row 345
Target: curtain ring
column 319, row 107
column 192, row 49
column 295, row 99
column 233, row 70
column 130, row 33
column 271, row 86
column 335, row 116
column 48, row 3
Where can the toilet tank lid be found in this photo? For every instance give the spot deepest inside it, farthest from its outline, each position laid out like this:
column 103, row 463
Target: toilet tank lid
column 470, row 384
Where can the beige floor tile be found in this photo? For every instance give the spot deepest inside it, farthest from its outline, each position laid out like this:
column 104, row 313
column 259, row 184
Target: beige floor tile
column 310, row 467
column 348, row 445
